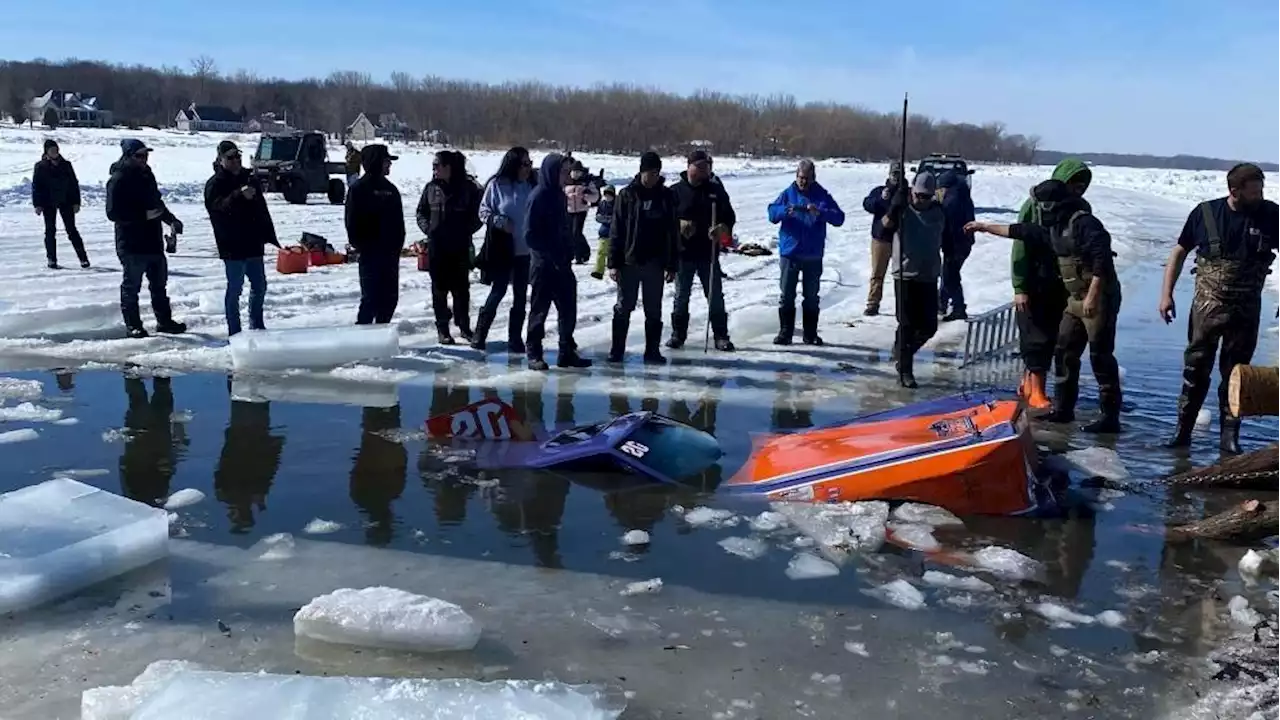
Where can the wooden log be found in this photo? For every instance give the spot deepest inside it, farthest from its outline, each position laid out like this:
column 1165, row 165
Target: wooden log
column 1253, row 391
column 1257, row 470
column 1248, row 522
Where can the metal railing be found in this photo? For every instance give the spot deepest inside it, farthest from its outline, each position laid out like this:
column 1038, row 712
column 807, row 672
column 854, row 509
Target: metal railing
column 990, row 335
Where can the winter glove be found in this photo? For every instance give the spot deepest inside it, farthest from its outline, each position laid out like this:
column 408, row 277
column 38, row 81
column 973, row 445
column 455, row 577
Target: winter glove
column 177, row 226
column 686, row 229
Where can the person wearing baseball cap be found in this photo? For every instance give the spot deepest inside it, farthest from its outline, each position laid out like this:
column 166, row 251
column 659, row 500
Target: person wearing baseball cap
column 241, row 227
column 705, row 214
column 918, row 221
column 877, row 203
column 375, row 227
column 135, row 206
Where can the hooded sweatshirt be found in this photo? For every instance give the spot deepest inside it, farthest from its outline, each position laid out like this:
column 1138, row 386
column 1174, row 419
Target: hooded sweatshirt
column 644, row 229
column 803, row 235
column 132, row 192
column 375, row 213
column 547, row 233
column 957, row 205
column 1023, row 268
column 507, row 200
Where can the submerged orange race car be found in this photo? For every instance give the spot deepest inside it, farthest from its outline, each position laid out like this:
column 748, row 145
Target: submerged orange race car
column 970, row 453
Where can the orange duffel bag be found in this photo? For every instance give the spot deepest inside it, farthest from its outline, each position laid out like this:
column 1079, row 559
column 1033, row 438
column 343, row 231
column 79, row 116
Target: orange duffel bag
column 292, row 259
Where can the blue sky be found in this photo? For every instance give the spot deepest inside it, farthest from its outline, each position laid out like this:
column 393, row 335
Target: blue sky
column 1156, row 76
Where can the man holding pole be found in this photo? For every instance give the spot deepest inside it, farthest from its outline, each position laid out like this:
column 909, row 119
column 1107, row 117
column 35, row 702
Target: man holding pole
column 917, row 222
column 1234, row 239
column 706, row 220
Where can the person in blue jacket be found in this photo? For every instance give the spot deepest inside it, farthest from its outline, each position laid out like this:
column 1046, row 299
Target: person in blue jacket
column 549, row 235
column 957, row 206
column 803, row 210
column 877, row 203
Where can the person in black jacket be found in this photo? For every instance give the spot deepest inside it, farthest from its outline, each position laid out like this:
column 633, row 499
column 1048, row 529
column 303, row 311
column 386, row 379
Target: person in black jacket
column 241, row 226
column 548, row 233
column 375, row 228
column 449, row 215
column 135, row 206
column 55, row 191
column 642, row 255
column 699, row 200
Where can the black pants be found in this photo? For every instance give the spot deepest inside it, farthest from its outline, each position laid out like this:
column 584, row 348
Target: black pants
column 951, row 291
column 1098, row 333
column 51, row 233
column 552, row 286
column 515, row 276
column 581, row 250
column 1038, row 328
column 379, row 288
column 1233, row 324
column 635, row 281
column 155, row 268
column 712, row 289
column 917, row 316
column 451, row 276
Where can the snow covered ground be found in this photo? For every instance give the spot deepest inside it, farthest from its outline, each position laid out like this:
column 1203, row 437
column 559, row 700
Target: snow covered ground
column 1143, row 209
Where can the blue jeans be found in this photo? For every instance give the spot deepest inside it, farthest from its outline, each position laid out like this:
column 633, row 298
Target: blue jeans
column 807, row 272
column 237, row 270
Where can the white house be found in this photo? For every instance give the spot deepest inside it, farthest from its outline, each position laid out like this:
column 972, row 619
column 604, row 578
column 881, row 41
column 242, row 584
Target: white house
column 72, row 109
column 387, row 127
column 209, row 118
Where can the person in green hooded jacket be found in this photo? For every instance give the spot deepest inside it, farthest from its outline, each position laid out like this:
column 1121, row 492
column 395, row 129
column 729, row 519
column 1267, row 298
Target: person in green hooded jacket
column 1038, row 293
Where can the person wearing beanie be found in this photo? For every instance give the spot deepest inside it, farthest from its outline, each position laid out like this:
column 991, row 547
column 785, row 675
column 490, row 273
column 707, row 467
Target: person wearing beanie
column 374, row 219
column 55, row 192
column 604, row 219
column 241, row 227
column 915, row 221
column 643, row 241
column 803, row 211
column 706, row 217
column 1082, row 249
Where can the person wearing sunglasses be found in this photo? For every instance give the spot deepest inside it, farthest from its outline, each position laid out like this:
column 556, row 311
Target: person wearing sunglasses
column 919, row 221
column 504, row 256
column 374, row 218
column 242, row 225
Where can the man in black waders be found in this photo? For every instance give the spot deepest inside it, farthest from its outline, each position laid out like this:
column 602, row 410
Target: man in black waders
column 918, row 220
column 705, row 215
column 1085, row 261
column 1235, row 243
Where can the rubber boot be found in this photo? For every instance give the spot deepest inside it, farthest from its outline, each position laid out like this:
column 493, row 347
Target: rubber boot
column 483, row 322
column 786, row 326
column 1037, row 398
column 906, row 371
column 679, row 331
column 1229, row 438
column 1061, row 412
column 571, row 359
column 810, row 336
column 618, row 339
column 1107, row 424
column 442, row 335
column 1182, row 433
column 652, row 343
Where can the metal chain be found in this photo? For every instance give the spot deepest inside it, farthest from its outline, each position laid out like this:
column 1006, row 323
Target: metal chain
column 1232, row 477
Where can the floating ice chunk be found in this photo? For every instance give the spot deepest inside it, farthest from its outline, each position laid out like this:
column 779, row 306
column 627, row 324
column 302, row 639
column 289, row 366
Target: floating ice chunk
column 181, row 416
column 16, row 436
column 81, row 473
column 900, row 593
column 385, row 617
column 839, row 528
column 1110, row 618
column 321, row 527
column 313, row 347
column 768, row 521
column 1241, row 613
column 857, row 648
column 744, row 547
column 1098, row 462
column 117, row 435
column 27, row 412
column 956, row 582
column 207, row 695
column 1203, row 418
column 1006, row 562
column 915, row 536
column 183, row 498
column 61, row 536
column 120, row 702
column 66, row 421
column 617, row 626
column 314, row 389
column 807, row 566
column 15, row 389
column 922, row 514
column 635, row 537
column 1054, row 612
column 978, row 667
column 276, row 547
column 642, row 587
column 1255, row 563
column 702, row 516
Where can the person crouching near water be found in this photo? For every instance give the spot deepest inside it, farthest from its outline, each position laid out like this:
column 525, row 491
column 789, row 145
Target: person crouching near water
column 374, row 219
column 549, row 235
column 449, row 215
column 1082, row 246
column 504, row 256
column 918, row 221
column 604, row 219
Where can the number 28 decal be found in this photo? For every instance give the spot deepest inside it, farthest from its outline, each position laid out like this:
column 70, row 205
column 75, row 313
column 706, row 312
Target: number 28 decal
column 634, row 449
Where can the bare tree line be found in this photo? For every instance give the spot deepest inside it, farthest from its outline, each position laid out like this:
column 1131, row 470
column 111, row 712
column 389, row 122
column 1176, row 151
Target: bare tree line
column 617, row 118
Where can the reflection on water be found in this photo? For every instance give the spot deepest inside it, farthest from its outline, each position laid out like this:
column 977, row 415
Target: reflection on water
column 248, row 462
column 378, row 472
column 155, row 443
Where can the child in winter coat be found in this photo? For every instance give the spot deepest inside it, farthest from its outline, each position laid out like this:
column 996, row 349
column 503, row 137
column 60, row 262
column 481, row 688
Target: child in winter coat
column 604, row 216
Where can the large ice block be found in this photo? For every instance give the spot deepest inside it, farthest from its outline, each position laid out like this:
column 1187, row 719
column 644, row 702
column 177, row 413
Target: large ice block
column 313, row 347
column 55, row 320
column 385, row 617
column 320, row 389
column 61, row 535
column 210, row 695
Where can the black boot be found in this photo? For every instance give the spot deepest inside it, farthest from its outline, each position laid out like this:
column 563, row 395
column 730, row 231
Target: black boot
column 1229, row 438
column 618, row 340
column 1109, row 423
column 786, row 326
column 171, row 327
column 1182, row 433
column 811, row 336
column 652, row 343
column 679, row 331
column 443, row 336
column 724, row 344
column 905, row 365
column 483, row 322
column 571, row 359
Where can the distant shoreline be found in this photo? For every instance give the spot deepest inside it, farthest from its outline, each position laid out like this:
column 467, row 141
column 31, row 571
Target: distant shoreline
column 1161, row 162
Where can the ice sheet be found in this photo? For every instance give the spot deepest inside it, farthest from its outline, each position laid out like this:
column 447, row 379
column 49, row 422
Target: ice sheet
column 39, row 321
column 9, row 437
column 807, row 566
column 313, row 347
column 211, row 695
column 1098, row 461
column 839, row 529
column 15, row 389
column 120, row 702
column 29, row 412
column 61, row 536
column 385, row 617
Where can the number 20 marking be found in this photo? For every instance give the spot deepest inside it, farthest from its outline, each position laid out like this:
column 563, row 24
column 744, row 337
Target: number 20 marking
column 634, row 449
column 486, row 422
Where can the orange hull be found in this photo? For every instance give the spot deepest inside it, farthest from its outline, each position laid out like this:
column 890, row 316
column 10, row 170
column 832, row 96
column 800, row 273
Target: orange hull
column 971, row 454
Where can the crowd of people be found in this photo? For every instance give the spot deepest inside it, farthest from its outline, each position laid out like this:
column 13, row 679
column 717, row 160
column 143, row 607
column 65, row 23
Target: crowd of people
column 1066, row 290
